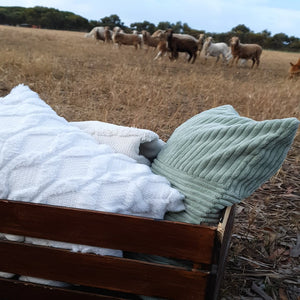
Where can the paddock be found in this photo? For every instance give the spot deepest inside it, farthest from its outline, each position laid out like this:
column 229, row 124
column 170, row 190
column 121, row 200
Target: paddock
column 84, row 80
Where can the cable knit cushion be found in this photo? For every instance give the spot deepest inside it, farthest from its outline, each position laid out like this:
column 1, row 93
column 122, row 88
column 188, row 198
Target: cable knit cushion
column 217, row 158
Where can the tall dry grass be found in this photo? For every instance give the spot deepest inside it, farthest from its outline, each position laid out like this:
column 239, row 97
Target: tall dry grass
column 86, row 80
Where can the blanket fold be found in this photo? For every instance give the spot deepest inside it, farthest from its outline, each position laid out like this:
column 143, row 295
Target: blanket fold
column 140, row 144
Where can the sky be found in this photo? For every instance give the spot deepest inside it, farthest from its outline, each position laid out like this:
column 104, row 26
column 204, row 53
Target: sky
column 276, row 16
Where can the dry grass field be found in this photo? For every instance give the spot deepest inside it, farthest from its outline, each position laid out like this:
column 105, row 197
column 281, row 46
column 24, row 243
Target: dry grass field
column 82, row 79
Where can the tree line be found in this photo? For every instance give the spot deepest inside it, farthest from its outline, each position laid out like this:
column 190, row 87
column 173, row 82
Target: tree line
column 51, row 18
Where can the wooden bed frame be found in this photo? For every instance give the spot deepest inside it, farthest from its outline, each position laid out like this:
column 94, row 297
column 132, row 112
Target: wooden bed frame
column 107, row 277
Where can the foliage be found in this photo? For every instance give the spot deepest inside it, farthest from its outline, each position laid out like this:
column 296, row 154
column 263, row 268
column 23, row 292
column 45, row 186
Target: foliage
column 83, row 80
column 51, row 18
column 240, row 29
column 139, row 26
column 12, row 15
column 112, row 21
column 42, row 17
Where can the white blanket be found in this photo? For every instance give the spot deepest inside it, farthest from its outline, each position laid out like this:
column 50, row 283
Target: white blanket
column 45, row 159
column 140, row 144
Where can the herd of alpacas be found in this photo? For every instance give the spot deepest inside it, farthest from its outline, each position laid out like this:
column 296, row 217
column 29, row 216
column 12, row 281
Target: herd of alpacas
column 166, row 41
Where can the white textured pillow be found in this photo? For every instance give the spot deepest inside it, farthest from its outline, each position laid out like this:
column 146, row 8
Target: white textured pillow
column 140, row 144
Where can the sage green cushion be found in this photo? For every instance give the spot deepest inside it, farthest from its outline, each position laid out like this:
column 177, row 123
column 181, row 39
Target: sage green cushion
column 218, row 158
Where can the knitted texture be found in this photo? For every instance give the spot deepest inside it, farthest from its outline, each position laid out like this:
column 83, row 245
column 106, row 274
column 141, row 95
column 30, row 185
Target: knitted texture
column 140, row 144
column 217, row 158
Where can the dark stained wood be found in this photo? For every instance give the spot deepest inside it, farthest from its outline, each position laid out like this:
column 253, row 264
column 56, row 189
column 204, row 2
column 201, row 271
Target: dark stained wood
column 221, row 249
column 121, row 277
column 128, row 233
column 102, row 271
column 18, row 290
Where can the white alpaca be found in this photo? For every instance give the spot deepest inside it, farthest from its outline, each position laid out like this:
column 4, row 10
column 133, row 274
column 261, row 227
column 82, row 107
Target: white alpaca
column 216, row 50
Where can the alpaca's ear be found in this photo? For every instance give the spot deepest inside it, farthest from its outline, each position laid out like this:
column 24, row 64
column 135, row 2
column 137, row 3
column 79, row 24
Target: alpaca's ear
column 291, row 64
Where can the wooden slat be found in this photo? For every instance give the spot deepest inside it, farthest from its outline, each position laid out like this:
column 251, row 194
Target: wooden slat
column 128, row 233
column 224, row 250
column 222, row 242
column 15, row 289
column 101, row 271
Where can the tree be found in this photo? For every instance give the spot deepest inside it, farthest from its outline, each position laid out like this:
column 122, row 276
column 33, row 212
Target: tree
column 75, row 22
column 186, row 28
column 164, row 25
column 178, row 27
column 294, row 44
column 150, row 27
column 112, row 21
column 13, row 15
column 279, row 41
column 222, row 37
column 93, row 23
column 54, row 19
column 240, row 29
column 3, row 18
column 34, row 14
column 266, row 33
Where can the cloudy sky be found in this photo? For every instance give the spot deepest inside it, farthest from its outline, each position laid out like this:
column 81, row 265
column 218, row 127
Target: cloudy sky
column 277, row 16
